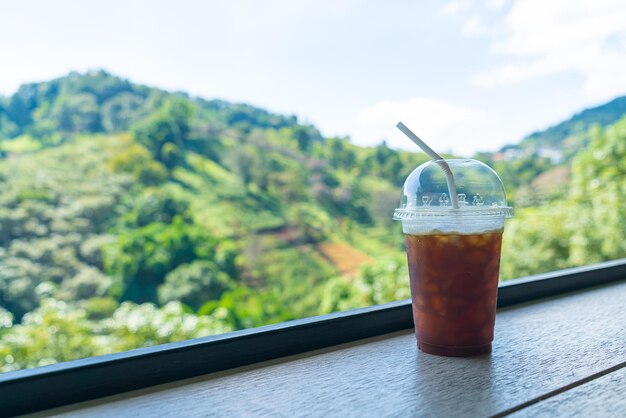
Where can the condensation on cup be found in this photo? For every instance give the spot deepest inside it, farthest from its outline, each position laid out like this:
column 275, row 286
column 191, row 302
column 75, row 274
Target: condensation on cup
column 453, row 254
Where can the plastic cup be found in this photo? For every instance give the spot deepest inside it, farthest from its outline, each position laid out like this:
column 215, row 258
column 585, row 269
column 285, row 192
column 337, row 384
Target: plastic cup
column 453, row 255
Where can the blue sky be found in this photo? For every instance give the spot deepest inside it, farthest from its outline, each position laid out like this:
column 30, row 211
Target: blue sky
column 465, row 75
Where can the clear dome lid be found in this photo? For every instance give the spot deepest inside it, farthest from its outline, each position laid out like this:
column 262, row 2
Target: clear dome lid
column 479, row 190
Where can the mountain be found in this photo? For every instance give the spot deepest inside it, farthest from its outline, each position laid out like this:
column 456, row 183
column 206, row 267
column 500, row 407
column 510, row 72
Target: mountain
column 114, row 190
column 131, row 216
column 539, row 166
column 565, row 139
column 98, row 102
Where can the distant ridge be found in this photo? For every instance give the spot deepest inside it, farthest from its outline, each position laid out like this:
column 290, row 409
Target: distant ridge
column 97, row 101
column 571, row 135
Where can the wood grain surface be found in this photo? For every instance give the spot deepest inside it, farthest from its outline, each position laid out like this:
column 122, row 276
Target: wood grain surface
column 539, row 347
column 602, row 397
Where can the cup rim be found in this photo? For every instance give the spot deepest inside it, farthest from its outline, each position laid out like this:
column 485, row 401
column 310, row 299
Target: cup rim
column 417, row 214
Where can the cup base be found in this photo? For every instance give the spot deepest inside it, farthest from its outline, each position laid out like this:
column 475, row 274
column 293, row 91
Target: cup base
column 454, row 351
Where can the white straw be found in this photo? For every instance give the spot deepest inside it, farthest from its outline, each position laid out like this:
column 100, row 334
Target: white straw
column 432, row 154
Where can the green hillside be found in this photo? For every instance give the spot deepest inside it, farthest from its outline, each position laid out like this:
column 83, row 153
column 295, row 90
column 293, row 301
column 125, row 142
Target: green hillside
column 97, row 102
column 571, row 135
column 538, row 168
column 131, row 216
column 114, row 196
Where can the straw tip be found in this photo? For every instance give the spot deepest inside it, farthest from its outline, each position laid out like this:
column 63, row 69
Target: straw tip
column 400, row 125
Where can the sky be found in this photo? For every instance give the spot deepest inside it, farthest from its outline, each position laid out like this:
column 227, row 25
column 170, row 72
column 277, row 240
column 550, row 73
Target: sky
column 465, row 75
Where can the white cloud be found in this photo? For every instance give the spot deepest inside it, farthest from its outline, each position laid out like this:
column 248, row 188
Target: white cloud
column 459, row 7
column 444, row 125
column 475, row 27
column 497, row 4
column 456, row 6
column 542, row 38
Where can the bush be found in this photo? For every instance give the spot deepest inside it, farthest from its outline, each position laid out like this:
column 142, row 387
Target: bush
column 56, row 331
column 194, row 284
column 60, row 331
column 144, row 325
column 244, row 307
column 87, row 283
column 141, row 258
column 137, row 161
column 99, row 307
column 382, row 282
